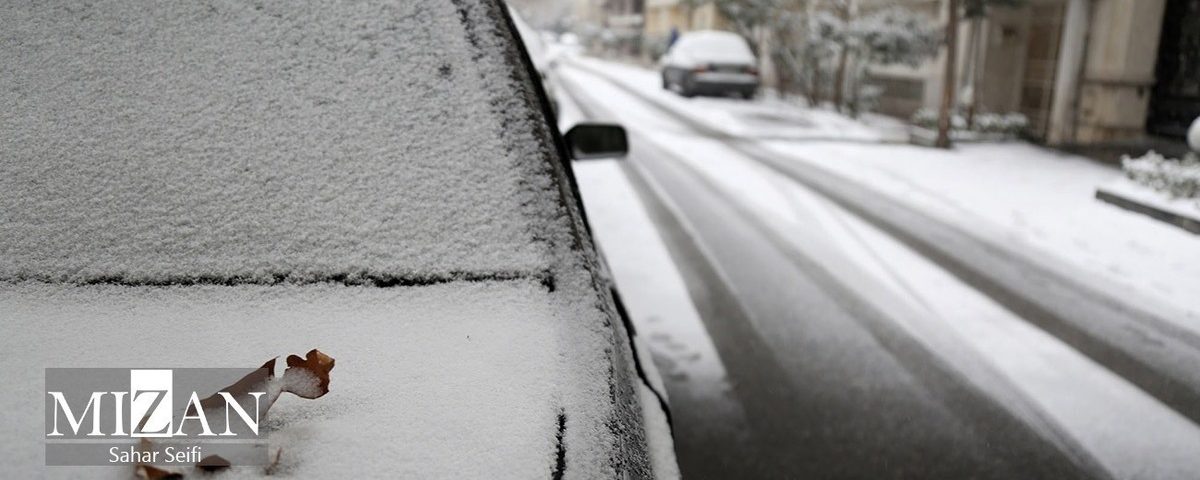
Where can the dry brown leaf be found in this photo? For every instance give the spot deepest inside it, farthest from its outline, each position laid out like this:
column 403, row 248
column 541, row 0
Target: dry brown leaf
column 151, row 472
column 146, row 471
column 305, row 377
column 253, row 382
column 270, row 470
column 308, row 377
column 213, row 463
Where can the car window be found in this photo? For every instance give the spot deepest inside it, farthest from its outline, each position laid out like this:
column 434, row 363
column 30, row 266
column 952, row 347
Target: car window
column 237, row 142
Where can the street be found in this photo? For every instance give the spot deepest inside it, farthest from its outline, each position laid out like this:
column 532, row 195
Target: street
column 838, row 333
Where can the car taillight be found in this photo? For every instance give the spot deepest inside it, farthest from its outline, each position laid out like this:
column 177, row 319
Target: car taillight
column 700, row 69
column 752, row 70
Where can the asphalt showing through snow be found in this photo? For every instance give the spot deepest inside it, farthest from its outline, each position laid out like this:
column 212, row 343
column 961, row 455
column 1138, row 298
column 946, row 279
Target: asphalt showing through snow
column 1149, row 351
column 830, row 387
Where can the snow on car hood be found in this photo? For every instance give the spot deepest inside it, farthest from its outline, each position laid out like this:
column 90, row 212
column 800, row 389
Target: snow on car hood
column 461, row 380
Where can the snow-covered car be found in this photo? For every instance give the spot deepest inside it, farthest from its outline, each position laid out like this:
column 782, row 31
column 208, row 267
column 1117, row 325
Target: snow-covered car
column 211, row 184
column 710, row 62
column 570, row 43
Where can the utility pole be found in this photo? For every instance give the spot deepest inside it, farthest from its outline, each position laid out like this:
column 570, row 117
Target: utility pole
column 948, row 83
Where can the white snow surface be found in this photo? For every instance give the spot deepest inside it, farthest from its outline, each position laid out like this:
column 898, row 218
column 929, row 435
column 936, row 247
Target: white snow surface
column 1050, row 384
column 1041, row 201
column 234, row 140
column 445, row 381
column 1038, row 200
column 1067, row 390
column 1047, row 383
column 288, row 144
column 651, row 287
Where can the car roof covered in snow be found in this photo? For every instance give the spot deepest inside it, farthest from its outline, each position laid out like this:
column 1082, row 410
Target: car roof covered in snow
column 715, row 46
column 153, row 145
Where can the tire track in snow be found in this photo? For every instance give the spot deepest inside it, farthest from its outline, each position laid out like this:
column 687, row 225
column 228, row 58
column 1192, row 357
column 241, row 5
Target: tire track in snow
column 1166, row 462
column 1140, row 345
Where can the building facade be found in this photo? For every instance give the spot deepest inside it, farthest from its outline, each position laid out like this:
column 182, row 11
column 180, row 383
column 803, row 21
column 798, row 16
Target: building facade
column 682, row 15
column 1082, row 71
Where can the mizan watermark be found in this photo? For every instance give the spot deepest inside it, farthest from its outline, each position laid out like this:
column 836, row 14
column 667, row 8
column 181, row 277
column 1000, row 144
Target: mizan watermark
column 113, row 416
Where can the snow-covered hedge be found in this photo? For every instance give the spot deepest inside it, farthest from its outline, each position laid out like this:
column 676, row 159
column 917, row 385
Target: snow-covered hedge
column 1010, row 123
column 1177, row 178
column 925, row 118
column 996, row 123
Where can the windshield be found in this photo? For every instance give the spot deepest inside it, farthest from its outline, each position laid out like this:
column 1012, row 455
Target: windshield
column 255, row 144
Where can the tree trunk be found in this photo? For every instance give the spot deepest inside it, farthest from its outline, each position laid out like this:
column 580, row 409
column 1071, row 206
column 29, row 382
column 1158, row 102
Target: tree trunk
column 814, row 81
column 972, row 69
column 839, row 79
column 948, row 83
column 853, row 83
column 809, row 59
column 783, row 78
column 849, row 11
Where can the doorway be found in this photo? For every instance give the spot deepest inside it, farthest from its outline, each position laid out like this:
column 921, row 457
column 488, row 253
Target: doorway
column 1041, row 62
column 1175, row 100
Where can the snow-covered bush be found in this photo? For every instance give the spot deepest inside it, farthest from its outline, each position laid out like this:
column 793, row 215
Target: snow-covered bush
column 884, row 37
column 957, row 122
column 989, row 122
column 1014, row 123
column 925, row 118
column 1177, row 178
column 928, row 118
column 896, row 36
column 867, row 98
column 1010, row 124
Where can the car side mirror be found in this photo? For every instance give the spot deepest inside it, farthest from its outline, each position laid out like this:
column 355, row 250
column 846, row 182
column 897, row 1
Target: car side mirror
column 596, row 140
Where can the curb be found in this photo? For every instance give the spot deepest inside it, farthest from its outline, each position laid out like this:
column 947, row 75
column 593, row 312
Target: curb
column 1187, row 223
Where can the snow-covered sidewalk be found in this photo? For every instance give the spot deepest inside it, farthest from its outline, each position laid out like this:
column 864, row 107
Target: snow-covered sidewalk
column 1036, row 198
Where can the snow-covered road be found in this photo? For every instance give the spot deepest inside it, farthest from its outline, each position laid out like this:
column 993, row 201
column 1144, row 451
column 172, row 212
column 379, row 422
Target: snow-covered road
column 869, row 331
